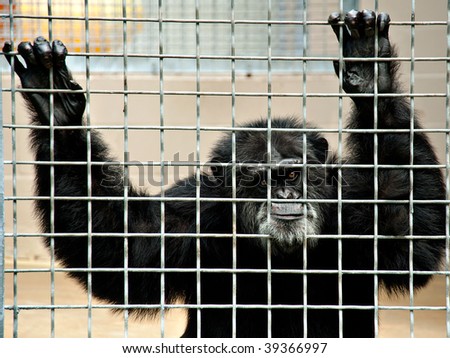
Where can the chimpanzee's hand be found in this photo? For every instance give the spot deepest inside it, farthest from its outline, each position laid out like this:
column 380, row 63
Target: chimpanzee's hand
column 358, row 40
column 40, row 57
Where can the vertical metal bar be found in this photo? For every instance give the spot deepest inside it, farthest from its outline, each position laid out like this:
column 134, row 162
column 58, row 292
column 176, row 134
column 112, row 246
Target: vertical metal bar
column 2, row 222
column 269, row 158
column 197, row 169
column 447, row 181
column 161, row 138
column 14, row 173
column 89, row 167
column 411, row 171
column 375, row 179
column 339, row 154
column 183, row 6
column 125, row 169
column 216, row 35
column 233, row 168
column 304, row 171
column 52, row 179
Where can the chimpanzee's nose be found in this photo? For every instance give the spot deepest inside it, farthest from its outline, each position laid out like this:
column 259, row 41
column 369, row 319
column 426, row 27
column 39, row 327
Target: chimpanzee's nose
column 286, row 193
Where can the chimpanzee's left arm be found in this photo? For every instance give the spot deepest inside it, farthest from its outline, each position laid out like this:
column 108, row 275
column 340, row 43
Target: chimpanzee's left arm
column 362, row 33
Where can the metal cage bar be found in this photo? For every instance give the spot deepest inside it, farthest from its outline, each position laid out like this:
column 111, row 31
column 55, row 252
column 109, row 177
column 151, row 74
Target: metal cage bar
column 198, row 170
column 447, row 179
column 340, row 160
column 304, row 181
column 375, row 177
column 269, row 160
column 89, row 297
column 411, row 173
column 126, row 152
column 162, row 156
column 233, row 170
column 14, row 184
column 52, row 183
column 2, row 226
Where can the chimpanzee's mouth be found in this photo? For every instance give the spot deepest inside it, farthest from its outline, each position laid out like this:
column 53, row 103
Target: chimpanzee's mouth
column 287, row 216
column 287, row 211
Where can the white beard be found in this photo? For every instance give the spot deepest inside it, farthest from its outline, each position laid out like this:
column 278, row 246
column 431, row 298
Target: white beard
column 287, row 235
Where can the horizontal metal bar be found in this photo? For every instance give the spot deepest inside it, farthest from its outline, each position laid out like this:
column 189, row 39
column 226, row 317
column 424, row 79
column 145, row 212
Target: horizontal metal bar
column 226, row 200
column 226, row 306
column 180, row 56
column 151, row 164
column 219, row 235
column 228, row 129
column 205, row 21
column 222, row 270
column 227, row 94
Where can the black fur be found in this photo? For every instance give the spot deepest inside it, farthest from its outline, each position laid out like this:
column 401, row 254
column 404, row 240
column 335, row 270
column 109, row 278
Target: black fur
column 144, row 216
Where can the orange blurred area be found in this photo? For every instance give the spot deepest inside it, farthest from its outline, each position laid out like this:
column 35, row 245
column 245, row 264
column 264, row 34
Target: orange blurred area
column 80, row 23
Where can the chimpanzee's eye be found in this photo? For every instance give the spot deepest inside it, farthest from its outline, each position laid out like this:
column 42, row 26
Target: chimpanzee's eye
column 293, row 176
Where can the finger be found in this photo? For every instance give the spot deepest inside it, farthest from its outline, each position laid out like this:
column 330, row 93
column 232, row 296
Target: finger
column 352, row 21
column 26, row 51
column 368, row 18
column 43, row 52
column 59, row 53
column 18, row 67
column 7, row 48
column 334, row 20
column 383, row 21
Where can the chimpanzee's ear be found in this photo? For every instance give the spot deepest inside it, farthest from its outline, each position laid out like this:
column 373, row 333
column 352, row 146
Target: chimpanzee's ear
column 216, row 168
column 321, row 149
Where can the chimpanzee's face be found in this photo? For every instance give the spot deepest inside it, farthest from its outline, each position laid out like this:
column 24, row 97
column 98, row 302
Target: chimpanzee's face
column 288, row 215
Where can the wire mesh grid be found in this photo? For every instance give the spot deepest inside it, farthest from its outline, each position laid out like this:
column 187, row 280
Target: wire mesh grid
column 203, row 70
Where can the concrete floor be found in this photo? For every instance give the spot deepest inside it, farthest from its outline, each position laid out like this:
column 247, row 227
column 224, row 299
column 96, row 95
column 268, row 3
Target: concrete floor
column 34, row 289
